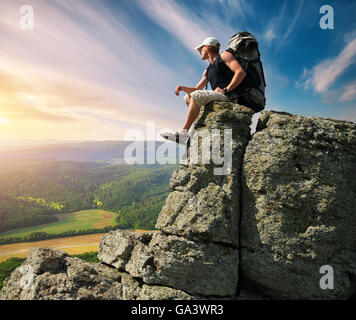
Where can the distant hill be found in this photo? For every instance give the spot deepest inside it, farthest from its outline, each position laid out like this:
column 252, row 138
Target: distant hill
column 32, row 192
column 39, row 181
column 110, row 152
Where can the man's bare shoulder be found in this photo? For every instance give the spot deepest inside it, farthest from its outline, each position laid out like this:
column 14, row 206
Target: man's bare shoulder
column 226, row 56
column 231, row 62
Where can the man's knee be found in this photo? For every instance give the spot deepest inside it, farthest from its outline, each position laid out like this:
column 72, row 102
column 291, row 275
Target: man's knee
column 195, row 97
column 187, row 99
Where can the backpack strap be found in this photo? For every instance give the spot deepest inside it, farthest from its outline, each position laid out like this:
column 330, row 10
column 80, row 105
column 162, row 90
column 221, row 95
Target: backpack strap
column 206, row 86
column 263, row 74
column 207, row 70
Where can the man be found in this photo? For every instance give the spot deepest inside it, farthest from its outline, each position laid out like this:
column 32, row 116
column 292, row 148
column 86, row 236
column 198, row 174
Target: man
column 224, row 73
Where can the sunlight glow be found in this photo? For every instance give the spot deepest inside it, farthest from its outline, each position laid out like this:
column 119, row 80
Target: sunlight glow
column 4, row 120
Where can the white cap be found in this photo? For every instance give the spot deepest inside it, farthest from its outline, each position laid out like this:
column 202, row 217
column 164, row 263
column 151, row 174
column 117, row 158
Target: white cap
column 208, row 42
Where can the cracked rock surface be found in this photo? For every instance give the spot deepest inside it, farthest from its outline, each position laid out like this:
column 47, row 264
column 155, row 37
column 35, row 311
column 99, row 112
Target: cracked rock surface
column 205, row 206
column 55, row 276
column 299, row 200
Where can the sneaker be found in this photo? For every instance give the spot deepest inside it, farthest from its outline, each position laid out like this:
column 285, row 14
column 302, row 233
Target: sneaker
column 175, row 137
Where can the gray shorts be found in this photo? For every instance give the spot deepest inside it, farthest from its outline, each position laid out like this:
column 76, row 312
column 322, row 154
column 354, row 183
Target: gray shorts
column 202, row 97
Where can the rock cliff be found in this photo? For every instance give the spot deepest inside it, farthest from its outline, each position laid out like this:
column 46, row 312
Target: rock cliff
column 299, row 214
column 260, row 228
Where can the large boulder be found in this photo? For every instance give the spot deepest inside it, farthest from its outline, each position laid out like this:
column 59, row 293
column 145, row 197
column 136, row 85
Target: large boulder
column 49, row 274
column 116, row 246
column 198, row 268
column 195, row 267
column 299, row 200
column 205, row 204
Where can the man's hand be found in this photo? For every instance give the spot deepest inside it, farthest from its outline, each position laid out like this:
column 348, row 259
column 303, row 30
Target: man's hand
column 179, row 88
column 219, row 90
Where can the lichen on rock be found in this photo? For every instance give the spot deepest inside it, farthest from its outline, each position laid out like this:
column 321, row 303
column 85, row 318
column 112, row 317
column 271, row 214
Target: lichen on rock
column 299, row 200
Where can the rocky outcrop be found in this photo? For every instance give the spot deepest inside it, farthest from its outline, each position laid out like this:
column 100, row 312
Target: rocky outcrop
column 52, row 275
column 259, row 228
column 203, row 205
column 194, row 254
column 116, row 247
column 208, row 268
column 198, row 225
column 299, row 200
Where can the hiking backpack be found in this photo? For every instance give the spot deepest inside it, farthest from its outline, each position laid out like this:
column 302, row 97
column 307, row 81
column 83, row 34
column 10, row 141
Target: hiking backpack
column 244, row 47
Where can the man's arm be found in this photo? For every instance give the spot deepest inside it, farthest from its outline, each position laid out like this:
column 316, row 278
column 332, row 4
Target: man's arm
column 239, row 72
column 200, row 85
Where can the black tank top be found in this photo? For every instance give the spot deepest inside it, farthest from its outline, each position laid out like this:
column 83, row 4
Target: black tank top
column 220, row 75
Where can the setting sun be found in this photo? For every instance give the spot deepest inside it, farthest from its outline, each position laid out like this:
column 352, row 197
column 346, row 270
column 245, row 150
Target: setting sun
column 4, row 120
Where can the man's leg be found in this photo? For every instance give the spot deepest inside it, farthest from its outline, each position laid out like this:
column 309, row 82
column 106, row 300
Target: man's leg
column 199, row 98
column 187, row 99
column 193, row 112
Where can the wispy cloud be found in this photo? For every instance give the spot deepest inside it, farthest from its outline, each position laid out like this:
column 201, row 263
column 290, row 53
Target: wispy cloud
column 294, row 20
column 179, row 22
column 270, row 34
column 234, row 8
column 281, row 25
column 240, row 8
column 324, row 74
column 189, row 28
column 80, row 63
column 274, row 24
column 349, row 92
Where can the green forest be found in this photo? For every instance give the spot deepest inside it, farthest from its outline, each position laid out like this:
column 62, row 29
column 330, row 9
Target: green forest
column 33, row 194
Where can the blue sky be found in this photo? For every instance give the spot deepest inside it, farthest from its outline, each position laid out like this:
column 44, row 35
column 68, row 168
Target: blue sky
column 91, row 70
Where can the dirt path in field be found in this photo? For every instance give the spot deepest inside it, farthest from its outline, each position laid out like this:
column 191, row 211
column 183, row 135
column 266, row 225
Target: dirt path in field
column 59, row 243
column 72, row 245
column 4, row 253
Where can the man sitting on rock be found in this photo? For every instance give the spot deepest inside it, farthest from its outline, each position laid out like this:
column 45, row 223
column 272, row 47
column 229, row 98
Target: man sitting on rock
column 224, row 74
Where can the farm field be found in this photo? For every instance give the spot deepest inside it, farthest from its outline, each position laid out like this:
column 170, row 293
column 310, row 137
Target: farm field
column 79, row 220
column 71, row 245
